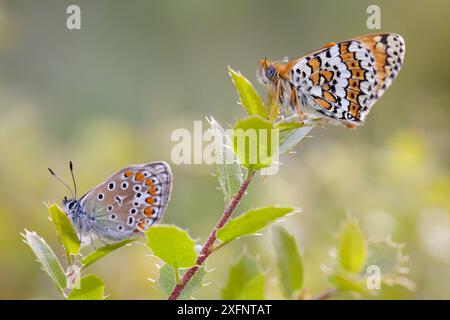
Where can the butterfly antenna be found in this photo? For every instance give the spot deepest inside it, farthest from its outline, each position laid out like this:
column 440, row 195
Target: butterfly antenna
column 73, row 178
column 60, row 180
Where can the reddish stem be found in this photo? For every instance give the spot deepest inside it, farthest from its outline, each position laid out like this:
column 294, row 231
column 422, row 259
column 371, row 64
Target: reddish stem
column 206, row 250
column 325, row 295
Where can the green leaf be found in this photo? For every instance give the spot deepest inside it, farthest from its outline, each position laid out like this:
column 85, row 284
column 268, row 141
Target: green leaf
column 103, row 251
column 250, row 99
column 245, row 281
column 255, row 142
column 352, row 251
column 290, row 138
column 251, row 222
column 229, row 173
column 47, row 258
column 173, row 245
column 348, row 282
column 285, row 126
column 289, row 260
column 64, row 229
column 91, row 288
column 166, row 281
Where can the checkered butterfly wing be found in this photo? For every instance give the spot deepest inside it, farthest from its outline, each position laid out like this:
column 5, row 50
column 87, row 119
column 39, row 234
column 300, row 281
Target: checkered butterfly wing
column 344, row 80
column 130, row 200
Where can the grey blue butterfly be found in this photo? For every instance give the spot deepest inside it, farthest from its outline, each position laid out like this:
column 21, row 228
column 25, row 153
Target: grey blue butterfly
column 124, row 205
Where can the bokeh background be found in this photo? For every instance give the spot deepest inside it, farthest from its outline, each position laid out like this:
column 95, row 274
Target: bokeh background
column 111, row 93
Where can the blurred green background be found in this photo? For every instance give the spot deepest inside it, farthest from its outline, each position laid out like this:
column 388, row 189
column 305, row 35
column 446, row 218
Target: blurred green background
column 111, row 93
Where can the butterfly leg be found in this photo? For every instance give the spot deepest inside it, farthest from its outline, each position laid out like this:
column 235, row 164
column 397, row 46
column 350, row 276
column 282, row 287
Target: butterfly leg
column 294, row 100
column 92, row 241
column 79, row 230
column 100, row 238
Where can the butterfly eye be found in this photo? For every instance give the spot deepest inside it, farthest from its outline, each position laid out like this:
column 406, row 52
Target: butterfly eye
column 71, row 204
column 270, row 72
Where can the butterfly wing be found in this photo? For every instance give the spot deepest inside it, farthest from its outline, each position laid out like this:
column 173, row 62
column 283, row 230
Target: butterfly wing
column 344, row 80
column 130, row 200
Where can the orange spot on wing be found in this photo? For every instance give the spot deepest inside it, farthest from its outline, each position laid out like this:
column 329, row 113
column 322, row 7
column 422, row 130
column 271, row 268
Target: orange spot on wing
column 329, row 96
column 354, row 84
column 314, row 64
column 354, row 108
column 344, row 48
column 358, row 74
column 139, row 176
column 315, row 77
column 348, row 56
column 352, row 64
column 148, row 211
column 323, row 103
column 152, row 190
column 330, row 44
column 352, row 96
column 150, row 200
column 149, row 182
column 142, row 224
column 328, row 75
column 128, row 173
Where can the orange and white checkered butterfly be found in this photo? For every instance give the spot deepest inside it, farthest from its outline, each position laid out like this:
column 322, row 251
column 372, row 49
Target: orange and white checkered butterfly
column 339, row 82
column 125, row 204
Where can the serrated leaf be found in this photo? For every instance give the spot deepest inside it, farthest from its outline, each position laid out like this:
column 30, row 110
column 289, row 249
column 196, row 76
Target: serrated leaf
column 288, row 259
column 255, row 142
column 352, row 251
column 291, row 137
column 251, row 222
column 348, row 282
column 166, row 281
column 245, row 281
column 103, row 251
column 47, row 258
column 229, row 173
column 91, row 288
column 64, row 229
column 172, row 244
column 248, row 96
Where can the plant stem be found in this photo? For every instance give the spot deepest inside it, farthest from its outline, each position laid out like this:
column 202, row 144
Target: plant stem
column 206, row 250
column 325, row 295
